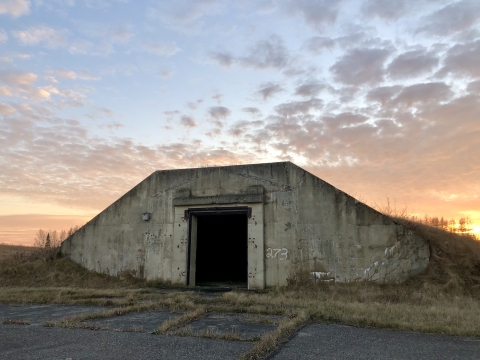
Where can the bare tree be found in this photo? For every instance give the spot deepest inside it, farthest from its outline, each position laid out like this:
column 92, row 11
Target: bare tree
column 40, row 238
column 452, row 226
column 464, row 225
column 62, row 236
column 72, row 230
column 52, row 238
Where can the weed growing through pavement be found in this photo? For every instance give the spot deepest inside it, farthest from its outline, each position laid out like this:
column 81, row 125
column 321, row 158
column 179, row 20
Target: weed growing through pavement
column 15, row 322
column 178, row 321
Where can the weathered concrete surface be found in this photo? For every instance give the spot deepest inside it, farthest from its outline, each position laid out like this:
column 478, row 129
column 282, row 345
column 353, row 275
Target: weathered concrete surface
column 39, row 314
column 323, row 341
column 246, row 326
column 317, row 341
column 300, row 224
column 37, row 342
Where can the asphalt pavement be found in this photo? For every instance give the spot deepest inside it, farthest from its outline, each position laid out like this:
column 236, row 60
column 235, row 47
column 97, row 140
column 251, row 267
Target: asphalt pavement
column 331, row 341
column 23, row 335
column 23, row 342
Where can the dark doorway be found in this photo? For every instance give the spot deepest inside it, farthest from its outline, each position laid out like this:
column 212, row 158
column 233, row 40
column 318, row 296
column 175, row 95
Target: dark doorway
column 221, row 255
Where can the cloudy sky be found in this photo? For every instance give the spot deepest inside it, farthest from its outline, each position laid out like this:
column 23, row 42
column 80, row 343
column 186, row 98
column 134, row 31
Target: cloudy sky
column 380, row 98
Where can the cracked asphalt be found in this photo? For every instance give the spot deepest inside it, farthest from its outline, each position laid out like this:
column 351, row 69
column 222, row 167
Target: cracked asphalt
column 116, row 340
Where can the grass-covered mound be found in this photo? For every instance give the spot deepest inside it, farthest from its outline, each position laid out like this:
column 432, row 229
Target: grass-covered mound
column 454, row 258
column 34, row 267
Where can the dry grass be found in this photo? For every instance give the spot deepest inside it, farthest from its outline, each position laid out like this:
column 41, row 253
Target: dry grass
column 428, row 308
column 178, row 321
column 44, row 268
column 8, row 252
column 454, row 261
column 270, row 341
column 73, row 296
column 15, row 322
column 74, row 321
column 455, row 258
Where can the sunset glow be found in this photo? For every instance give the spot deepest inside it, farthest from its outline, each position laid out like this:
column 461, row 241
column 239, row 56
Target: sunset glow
column 379, row 98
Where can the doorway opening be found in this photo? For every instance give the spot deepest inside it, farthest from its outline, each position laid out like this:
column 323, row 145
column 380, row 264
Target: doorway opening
column 220, row 252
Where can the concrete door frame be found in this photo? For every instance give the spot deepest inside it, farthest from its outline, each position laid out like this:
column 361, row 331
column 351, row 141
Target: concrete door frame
column 184, row 228
column 193, row 214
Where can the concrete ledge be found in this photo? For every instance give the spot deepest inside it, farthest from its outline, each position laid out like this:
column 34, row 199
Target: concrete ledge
column 220, row 199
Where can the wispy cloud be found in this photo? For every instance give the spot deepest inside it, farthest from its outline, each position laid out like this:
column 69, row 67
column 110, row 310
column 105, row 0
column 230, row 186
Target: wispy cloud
column 166, row 74
column 268, row 90
column 41, row 35
column 412, row 63
column 451, row 19
column 463, row 59
column 163, row 49
column 317, row 14
column 18, row 77
column 3, row 36
column 309, row 89
column 388, row 10
column 219, row 112
column 188, row 121
column 15, row 8
column 361, row 66
column 185, row 16
column 6, row 109
column 268, row 53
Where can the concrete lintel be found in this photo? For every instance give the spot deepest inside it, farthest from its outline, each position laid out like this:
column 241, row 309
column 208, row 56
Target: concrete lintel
column 220, row 199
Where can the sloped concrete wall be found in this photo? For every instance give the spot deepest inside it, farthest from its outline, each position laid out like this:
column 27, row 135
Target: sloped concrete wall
column 309, row 227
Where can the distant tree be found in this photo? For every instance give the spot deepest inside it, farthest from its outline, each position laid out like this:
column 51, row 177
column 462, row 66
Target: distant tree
column 443, row 223
column 52, row 238
column 464, row 225
column 452, row 226
column 54, row 241
column 40, row 238
column 72, row 230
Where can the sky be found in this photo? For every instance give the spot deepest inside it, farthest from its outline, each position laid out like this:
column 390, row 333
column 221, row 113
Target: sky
column 379, row 98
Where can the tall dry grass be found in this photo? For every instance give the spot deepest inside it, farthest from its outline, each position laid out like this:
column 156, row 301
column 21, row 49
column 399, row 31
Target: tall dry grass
column 454, row 258
column 45, row 267
column 12, row 252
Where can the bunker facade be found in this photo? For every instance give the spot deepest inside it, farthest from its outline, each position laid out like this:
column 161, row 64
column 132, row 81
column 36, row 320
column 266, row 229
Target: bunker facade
column 259, row 225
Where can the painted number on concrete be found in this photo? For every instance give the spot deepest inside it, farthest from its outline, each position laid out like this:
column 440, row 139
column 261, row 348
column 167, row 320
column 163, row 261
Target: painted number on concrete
column 282, row 253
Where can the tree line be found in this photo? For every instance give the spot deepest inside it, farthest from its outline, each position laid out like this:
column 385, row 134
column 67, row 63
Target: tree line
column 462, row 227
column 52, row 238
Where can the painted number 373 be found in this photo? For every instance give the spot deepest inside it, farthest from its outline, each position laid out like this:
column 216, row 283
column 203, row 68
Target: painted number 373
column 282, row 253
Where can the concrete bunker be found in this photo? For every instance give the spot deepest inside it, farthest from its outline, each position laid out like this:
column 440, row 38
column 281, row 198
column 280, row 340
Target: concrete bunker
column 281, row 223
